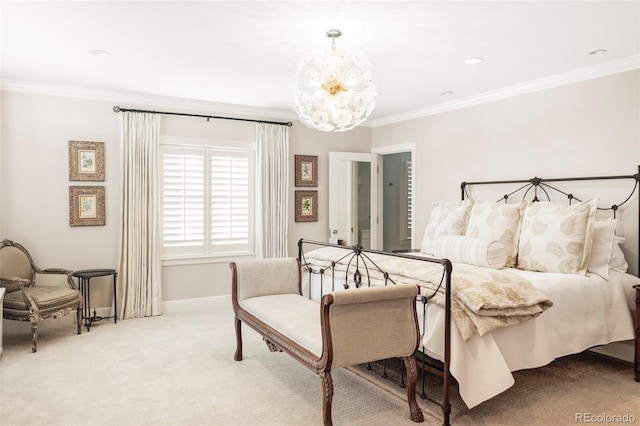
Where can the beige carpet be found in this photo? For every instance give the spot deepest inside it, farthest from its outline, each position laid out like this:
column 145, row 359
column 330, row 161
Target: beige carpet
column 582, row 384
column 178, row 369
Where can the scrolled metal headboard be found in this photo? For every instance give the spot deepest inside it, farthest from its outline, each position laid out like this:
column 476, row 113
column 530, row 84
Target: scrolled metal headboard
column 538, row 186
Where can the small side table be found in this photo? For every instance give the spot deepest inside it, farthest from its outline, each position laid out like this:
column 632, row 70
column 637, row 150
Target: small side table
column 636, row 364
column 84, row 279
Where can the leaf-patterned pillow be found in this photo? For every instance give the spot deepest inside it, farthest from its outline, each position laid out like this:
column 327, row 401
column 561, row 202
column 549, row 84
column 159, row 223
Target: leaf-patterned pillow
column 447, row 218
column 553, row 237
column 499, row 222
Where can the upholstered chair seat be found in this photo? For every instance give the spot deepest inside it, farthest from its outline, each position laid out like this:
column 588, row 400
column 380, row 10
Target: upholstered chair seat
column 49, row 299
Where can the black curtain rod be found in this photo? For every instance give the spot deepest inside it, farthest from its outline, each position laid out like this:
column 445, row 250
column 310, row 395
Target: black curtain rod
column 118, row 109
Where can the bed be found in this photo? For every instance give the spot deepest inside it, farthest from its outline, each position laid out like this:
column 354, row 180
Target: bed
column 563, row 260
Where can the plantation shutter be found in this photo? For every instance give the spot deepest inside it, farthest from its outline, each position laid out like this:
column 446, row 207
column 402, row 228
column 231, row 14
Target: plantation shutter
column 183, row 199
column 207, row 201
column 231, row 194
column 409, row 196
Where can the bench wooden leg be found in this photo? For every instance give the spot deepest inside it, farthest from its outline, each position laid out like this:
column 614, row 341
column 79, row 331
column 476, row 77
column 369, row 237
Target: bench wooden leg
column 327, row 392
column 238, row 354
column 412, row 378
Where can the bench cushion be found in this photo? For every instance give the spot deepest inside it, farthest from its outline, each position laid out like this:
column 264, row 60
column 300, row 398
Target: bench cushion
column 294, row 316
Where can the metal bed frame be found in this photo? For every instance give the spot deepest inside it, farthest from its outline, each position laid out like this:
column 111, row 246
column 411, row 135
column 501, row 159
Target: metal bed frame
column 358, row 257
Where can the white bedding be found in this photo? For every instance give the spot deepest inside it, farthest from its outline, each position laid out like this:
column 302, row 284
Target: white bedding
column 588, row 311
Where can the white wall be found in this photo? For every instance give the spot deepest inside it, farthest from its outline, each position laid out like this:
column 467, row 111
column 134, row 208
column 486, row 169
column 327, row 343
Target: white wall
column 34, row 194
column 582, row 129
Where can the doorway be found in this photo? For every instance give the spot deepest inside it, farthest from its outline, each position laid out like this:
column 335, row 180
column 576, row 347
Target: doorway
column 397, row 196
column 353, row 204
column 396, row 201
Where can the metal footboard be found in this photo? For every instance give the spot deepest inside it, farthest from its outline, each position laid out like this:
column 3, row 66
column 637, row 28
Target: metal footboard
column 359, row 267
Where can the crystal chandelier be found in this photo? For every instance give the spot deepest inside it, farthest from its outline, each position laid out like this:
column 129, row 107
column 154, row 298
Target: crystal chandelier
column 334, row 88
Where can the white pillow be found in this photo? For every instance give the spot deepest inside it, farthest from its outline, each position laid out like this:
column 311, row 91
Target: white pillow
column 447, row 218
column 470, row 250
column 588, row 242
column 497, row 221
column 601, row 249
column 554, row 237
column 617, row 262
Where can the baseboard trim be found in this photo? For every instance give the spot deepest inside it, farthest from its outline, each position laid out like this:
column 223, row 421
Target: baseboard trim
column 196, row 304
column 181, row 305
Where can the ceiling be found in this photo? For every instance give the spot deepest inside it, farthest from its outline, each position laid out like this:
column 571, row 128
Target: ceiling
column 246, row 53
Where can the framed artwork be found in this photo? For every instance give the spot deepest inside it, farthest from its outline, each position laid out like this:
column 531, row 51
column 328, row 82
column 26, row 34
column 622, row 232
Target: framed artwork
column 306, row 206
column 86, row 161
column 86, row 206
column 306, row 170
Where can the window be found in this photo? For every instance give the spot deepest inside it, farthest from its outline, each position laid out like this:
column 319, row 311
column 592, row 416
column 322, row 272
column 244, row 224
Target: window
column 207, row 200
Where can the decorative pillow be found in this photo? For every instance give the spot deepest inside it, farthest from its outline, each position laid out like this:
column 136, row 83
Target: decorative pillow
column 553, row 237
column 448, row 218
column 497, row 221
column 617, row 262
column 474, row 251
column 602, row 247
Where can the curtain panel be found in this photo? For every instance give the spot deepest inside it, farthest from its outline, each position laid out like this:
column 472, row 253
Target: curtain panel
column 273, row 175
column 140, row 236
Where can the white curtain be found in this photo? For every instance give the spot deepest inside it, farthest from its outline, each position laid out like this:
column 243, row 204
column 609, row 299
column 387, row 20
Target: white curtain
column 140, row 236
column 273, row 187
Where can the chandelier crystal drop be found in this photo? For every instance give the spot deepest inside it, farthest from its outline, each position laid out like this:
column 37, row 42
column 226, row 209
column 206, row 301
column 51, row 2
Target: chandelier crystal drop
column 334, row 89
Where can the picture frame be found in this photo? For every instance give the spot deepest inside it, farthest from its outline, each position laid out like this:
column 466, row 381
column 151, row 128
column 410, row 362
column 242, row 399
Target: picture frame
column 306, row 206
column 86, row 161
column 86, row 206
column 306, row 171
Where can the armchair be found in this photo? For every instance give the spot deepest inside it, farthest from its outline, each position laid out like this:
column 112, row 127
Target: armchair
column 26, row 301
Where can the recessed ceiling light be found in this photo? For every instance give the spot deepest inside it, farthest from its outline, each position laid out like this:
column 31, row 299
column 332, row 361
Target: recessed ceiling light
column 97, row 52
column 598, row 52
column 447, row 92
column 473, row 61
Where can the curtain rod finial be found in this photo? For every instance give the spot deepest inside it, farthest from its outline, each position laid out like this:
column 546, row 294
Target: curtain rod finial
column 116, row 108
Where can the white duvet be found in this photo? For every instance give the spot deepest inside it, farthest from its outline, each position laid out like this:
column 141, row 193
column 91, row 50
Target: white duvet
column 587, row 311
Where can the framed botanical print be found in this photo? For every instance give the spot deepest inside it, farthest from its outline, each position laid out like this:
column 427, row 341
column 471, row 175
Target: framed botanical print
column 306, row 206
column 86, row 161
column 306, row 170
column 86, row 206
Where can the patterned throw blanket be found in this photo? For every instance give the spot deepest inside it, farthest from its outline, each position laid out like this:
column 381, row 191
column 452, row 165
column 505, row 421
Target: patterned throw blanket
column 482, row 299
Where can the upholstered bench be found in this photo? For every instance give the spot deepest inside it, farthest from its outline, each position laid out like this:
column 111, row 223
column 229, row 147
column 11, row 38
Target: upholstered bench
column 346, row 328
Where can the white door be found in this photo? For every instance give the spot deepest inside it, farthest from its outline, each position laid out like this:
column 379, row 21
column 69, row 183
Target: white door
column 353, row 198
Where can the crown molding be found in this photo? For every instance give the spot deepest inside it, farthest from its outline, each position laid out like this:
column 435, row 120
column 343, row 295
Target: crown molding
column 126, row 99
column 582, row 74
column 130, row 100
